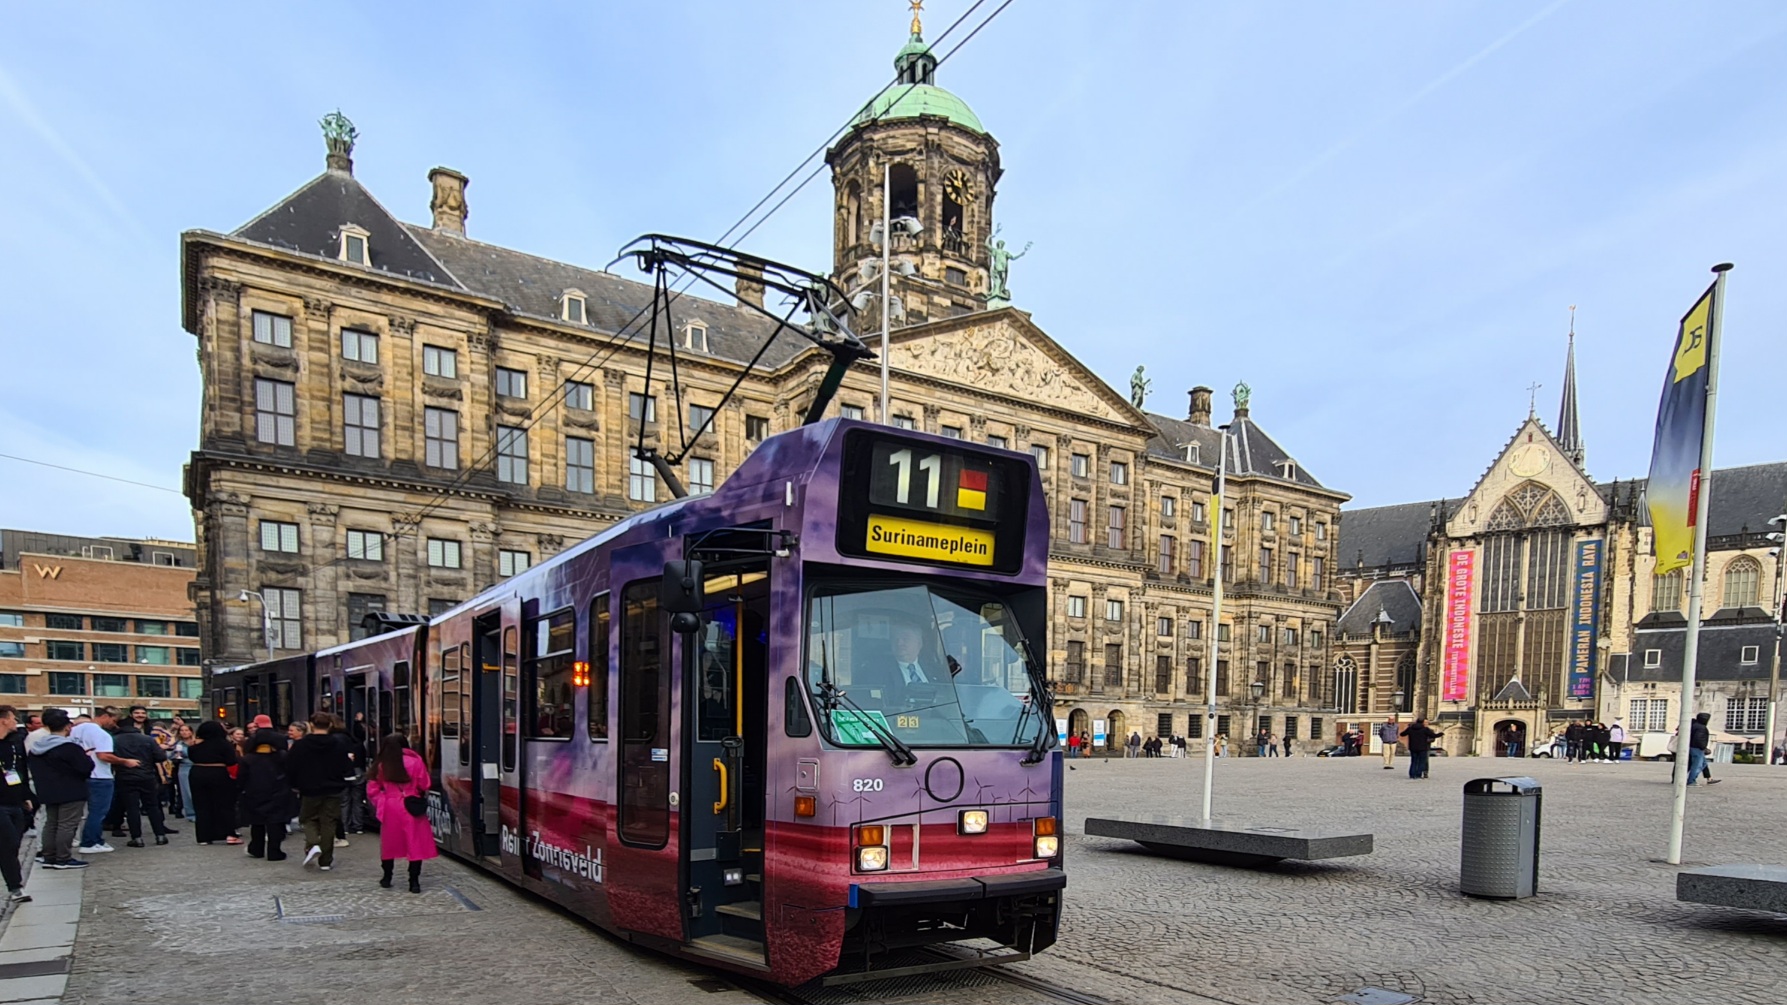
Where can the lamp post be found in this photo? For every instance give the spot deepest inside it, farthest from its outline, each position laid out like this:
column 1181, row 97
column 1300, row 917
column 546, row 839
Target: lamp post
column 266, row 619
column 1258, row 690
column 1774, row 665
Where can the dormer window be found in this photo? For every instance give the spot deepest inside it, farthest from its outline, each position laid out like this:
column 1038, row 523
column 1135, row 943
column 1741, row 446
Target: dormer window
column 695, row 337
column 353, row 245
column 1287, row 469
column 570, row 307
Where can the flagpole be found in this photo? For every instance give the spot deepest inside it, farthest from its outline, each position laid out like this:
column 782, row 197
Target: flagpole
column 1702, row 512
column 886, row 256
column 1222, row 468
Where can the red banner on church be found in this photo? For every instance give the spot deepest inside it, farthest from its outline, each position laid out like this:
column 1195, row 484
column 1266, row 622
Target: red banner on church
column 1461, row 573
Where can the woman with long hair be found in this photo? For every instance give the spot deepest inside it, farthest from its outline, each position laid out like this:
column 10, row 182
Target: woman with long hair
column 184, row 738
column 214, row 765
column 395, row 787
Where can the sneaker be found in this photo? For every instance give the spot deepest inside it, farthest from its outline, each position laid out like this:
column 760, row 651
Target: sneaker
column 312, row 855
column 324, row 868
column 95, row 849
column 17, row 897
column 341, row 842
column 72, row 863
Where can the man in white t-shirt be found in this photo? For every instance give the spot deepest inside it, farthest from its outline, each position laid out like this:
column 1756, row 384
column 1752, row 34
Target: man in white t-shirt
column 95, row 738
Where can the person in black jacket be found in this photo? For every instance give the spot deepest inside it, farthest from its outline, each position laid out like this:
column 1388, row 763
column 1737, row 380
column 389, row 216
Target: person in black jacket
column 16, row 805
column 266, row 794
column 1420, row 740
column 59, row 768
column 319, row 767
column 213, row 785
column 139, row 788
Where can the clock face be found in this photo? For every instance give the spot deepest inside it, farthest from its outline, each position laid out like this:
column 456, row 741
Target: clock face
column 1529, row 460
column 958, row 186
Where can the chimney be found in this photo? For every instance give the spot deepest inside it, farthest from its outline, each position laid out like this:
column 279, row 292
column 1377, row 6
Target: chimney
column 750, row 285
column 448, row 203
column 1200, row 406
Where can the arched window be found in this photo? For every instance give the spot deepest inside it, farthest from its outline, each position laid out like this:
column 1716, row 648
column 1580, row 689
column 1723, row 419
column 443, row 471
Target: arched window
column 1743, row 576
column 1346, row 686
column 852, row 216
column 1666, row 592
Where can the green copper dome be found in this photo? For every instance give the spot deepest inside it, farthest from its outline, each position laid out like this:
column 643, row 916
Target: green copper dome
column 909, row 101
column 916, row 92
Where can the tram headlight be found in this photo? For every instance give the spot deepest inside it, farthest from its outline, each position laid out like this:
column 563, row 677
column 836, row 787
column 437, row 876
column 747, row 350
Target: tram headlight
column 1048, row 843
column 972, row 822
column 871, row 848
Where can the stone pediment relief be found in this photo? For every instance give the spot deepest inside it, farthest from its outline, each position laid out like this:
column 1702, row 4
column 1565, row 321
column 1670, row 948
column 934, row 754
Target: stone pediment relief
column 446, row 390
column 997, row 359
column 518, row 409
column 581, row 419
column 1532, row 484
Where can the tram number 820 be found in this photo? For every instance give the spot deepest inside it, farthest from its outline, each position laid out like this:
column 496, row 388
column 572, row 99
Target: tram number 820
column 866, row 784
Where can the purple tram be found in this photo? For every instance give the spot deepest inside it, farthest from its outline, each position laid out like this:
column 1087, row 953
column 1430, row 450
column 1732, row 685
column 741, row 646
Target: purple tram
column 785, row 729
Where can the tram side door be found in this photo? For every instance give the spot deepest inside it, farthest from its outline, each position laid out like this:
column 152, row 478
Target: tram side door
column 494, row 705
column 725, row 668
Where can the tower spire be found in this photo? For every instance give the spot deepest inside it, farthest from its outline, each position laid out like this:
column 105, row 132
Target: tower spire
column 918, row 28
column 1569, row 430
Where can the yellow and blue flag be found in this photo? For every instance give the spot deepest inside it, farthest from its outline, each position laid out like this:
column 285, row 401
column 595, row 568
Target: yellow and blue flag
column 1673, row 491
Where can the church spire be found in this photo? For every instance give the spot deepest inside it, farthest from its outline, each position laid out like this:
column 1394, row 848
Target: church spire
column 1569, row 431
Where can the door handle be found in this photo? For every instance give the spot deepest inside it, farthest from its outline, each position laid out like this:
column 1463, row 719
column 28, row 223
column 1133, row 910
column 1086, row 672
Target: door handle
column 725, row 790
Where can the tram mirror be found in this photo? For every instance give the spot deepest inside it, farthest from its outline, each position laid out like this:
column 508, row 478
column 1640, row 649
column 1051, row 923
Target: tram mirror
column 680, row 591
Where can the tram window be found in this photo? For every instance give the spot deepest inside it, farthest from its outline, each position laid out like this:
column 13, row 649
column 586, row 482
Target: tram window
column 597, row 659
column 551, row 644
column 465, row 702
column 283, row 711
column 716, row 662
column 644, row 720
column 511, row 694
column 450, row 691
column 795, row 720
column 399, row 714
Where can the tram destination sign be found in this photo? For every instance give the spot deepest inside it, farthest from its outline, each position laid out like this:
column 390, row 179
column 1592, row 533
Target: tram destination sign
column 918, row 501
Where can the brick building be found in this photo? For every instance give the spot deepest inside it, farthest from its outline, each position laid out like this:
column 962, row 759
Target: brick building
column 106, row 621
column 397, row 415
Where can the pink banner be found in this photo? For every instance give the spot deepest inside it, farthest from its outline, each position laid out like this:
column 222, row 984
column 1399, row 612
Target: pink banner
column 1461, row 568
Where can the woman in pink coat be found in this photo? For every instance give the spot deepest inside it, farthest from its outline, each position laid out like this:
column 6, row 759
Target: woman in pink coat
column 398, row 773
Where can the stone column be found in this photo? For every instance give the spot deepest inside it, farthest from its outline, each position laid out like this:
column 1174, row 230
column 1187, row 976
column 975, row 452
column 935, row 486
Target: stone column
column 325, row 606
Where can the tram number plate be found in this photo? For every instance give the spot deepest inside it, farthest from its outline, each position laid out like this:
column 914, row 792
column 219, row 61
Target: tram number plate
column 866, row 784
column 905, row 722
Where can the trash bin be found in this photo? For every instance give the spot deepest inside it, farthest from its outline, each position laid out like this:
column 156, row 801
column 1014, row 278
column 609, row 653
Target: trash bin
column 1499, row 853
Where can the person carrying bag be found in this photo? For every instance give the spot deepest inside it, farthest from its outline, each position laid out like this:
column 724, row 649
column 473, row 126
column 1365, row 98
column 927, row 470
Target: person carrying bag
column 395, row 786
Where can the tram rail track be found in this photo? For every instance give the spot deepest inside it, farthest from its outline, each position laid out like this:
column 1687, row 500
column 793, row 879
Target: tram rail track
column 940, row 985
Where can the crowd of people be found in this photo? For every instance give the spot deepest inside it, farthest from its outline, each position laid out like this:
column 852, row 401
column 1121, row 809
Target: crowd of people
column 74, row 781
column 1594, row 741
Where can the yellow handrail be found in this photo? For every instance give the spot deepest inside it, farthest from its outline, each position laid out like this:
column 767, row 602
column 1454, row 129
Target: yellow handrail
column 725, row 790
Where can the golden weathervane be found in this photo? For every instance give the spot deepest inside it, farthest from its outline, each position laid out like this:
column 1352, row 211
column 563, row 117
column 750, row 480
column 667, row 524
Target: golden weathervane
column 918, row 7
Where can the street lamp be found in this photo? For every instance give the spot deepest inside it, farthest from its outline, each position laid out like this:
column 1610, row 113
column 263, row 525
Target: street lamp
column 1396, row 701
column 1774, row 669
column 266, row 619
column 1258, row 690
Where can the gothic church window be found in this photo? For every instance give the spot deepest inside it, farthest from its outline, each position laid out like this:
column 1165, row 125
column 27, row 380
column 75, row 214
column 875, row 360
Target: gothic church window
column 1346, row 686
column 1742, row 577
column 1666, row 592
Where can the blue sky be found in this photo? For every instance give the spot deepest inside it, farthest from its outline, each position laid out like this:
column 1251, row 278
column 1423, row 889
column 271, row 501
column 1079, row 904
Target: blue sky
column 1375, row 213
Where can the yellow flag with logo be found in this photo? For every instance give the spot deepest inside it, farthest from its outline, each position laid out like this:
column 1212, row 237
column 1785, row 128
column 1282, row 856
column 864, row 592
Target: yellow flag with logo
column 1673, row 491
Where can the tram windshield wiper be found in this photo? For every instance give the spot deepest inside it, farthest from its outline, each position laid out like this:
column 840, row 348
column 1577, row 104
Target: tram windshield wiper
column 1040, row 700
column 896, row 748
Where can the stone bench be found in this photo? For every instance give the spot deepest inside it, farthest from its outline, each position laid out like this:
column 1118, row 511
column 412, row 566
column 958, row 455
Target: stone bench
column 1227, row 843
column 1751, row 887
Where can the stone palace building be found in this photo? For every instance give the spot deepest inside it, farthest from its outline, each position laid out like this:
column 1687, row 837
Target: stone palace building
column 397, row 415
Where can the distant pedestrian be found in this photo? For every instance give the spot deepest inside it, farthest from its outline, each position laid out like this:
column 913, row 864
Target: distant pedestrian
column 1073, row 746
column 1135, row 744
column 139, row 785
column 318, row 766
column 396, row 786
column 60, row 770
column 215, row 764
column 1616, row 741
column 184, row 738
column 1222, row 745
column 1572, row 741
column 265, row 804
column 1387, row 732
column 17, row 806
column 1420, row 740
column 1287, row 743
column 1699, row 737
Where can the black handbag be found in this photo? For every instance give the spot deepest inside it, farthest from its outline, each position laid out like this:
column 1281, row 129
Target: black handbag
column 416, row 806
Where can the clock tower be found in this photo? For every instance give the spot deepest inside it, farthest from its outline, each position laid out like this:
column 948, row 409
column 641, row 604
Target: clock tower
column 928, row 152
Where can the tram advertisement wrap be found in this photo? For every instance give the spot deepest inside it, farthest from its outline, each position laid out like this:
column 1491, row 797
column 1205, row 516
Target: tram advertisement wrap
column 1582, row 634
column 1461, row 569
column 934, row 542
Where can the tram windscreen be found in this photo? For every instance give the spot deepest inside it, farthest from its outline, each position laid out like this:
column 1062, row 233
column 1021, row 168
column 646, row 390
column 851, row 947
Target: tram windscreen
column 930, row 665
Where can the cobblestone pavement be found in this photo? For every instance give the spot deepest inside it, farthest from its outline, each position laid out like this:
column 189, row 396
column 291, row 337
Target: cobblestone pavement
column 1605, row 927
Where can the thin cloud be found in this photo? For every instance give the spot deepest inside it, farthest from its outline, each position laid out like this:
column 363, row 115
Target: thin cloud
column 21, row 106
column 1407, row 103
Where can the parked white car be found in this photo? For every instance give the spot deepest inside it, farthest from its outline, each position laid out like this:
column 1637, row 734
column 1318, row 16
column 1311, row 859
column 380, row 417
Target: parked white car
column 1551, row 746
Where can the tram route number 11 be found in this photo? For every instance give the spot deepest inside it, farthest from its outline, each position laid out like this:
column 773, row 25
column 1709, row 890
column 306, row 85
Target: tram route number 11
column 931, row 465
